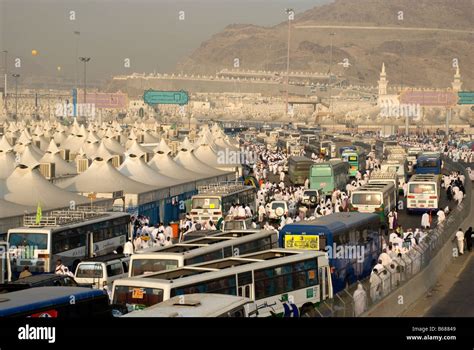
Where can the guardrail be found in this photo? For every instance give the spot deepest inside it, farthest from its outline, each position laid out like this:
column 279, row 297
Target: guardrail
column 408, row 277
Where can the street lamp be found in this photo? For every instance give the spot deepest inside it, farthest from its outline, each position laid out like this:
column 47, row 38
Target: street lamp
column 290, row 12
column 85, row 60
column 78, row 34
column 16, row 76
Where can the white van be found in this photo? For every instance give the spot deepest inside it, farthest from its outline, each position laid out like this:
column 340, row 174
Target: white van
column 101, row 271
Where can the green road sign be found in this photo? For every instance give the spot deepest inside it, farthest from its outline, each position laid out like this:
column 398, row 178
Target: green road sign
column 154, row 97
column 466, row 98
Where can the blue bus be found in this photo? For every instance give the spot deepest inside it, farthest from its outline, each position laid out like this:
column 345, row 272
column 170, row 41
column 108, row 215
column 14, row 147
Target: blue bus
column 353, row 242
column 56, row 302
column 429, row 163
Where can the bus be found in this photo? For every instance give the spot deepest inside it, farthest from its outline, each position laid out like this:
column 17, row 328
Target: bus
column 200, row 305
column 356, row 161
column 67, row 235
column 375, row 198
column 381, row 147
column 378, row 177
column 279, row 281
column 396, row 166
column 329, row 176
column 55, row 302
column 423, row 193
column 200, row 250
column 328, row 149
column 353, row 242
column 428, row 163
column 5, row 265
column 213, row 201
column 298, row 169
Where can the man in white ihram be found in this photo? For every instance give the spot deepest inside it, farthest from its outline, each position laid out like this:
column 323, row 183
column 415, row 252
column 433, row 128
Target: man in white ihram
column 425, row 220
column 460, row 240
column 360, row 300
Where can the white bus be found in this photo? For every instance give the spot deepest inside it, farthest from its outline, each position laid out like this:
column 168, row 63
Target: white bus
column 203, row 249
column 378, row 177
column 67, row 235
column 279, row 281
column 214, row 201
column 423, row 192
column 374, row 198
column 396, row 166
column 200, row 305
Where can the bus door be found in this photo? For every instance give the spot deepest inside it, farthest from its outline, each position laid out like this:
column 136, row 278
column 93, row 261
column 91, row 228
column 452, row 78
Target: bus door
column 245, row 285
column 5, row 267
column 325, row 282
column 89, row 245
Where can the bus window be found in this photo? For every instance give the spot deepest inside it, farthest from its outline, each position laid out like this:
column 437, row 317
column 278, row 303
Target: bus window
column 37, row 240
column 206, row 203
column 85, row 270
column 114, row 269
column 321, row 171
column 142, row 266
column 422, row 188
column 367, row 198
column 138, row 297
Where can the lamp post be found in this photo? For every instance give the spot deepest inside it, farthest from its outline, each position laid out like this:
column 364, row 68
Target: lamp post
column 85, row 60
column 78, row 34
column 16, row 76
column 290, row 14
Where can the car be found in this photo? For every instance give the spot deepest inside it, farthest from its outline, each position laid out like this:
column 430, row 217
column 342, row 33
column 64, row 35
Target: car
column 310, row 197
column 277, row 209
column 41, row 280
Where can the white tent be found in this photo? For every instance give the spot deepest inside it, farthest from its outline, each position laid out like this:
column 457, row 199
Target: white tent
column 8, row 209
column 102, row 177
column 135, row 168
column 187, row 159
column 53, row 155
column 7, row 163
column 29, row 158
column 164, row 164
column 27, row 186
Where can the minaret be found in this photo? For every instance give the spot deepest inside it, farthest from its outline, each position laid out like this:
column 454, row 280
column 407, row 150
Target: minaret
column 457, row 83
column 383, row 82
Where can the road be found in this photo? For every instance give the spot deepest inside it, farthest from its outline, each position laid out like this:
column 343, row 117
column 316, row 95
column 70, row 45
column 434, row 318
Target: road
column 458, row 301
column 385, row 28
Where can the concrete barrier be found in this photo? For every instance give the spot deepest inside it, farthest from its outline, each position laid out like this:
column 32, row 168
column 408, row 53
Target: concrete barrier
column 400, row 299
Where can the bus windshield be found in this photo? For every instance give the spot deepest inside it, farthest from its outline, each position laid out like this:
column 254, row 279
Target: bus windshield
column 37, row 240
column 138, row 298
column 278, row 205
column 428, row 163
column 143, row 266
column 206, row 203
column 367, row 198
column 422, row 188
column 321, row 171
column 91, row 270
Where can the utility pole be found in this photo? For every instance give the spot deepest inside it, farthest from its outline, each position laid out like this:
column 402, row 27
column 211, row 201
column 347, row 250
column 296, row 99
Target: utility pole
column 290, row 12
column 5, row 67
column 16, row 76
column 85, row 60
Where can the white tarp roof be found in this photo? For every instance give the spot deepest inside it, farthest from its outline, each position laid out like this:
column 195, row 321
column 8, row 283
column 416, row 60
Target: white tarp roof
column 27, row 186
column 164, row 164
column 102, row 177
column 135, row 168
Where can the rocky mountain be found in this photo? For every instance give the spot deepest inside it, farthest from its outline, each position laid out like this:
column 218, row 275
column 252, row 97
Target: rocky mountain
column 417, row 40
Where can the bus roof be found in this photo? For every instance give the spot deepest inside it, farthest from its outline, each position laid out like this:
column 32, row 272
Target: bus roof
column 105, row 258
column 334, row 223
column 298, row 159
column 424, row 178
column 193, row 305
column 33, row 299
column 198, row 272
column 208, row 243
column 105, row 217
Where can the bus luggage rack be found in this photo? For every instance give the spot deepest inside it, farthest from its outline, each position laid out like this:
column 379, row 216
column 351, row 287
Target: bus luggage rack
column 61, row 217
column 222, row 187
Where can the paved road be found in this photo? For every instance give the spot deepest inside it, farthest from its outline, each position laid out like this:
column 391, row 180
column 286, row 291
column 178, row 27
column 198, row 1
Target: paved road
column 458, row 302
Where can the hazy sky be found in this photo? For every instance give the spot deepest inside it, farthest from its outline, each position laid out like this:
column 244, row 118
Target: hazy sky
column 148, row 32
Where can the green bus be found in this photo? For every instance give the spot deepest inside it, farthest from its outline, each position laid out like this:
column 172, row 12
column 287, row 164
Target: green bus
column 329, row 176
column 356, row 161
column 298, row 169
